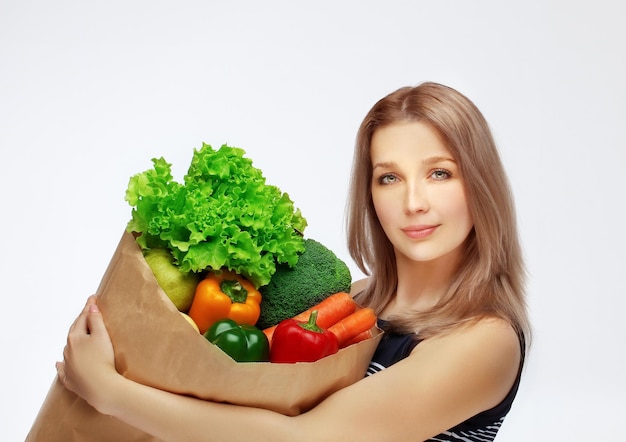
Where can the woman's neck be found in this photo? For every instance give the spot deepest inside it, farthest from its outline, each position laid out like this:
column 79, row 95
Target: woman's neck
column 421, row 285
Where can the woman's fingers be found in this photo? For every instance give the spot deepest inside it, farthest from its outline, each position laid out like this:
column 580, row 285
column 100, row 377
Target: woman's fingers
column 95, row 322
column 80, row 323
column 60, row 366
column 77, row 329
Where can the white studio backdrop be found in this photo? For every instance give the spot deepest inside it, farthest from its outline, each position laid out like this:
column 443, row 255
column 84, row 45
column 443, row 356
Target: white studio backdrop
column 91, row 91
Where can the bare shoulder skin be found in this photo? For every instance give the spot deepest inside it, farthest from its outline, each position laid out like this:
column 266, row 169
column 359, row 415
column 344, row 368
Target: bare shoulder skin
column 358, row 286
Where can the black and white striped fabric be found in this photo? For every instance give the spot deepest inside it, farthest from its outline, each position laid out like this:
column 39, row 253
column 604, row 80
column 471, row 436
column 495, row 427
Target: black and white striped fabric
column 480, row 428
column 487, row 433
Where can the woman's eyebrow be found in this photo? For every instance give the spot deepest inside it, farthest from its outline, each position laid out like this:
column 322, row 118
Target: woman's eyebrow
column 434, row 160
column 427, row 162
column 384, row 164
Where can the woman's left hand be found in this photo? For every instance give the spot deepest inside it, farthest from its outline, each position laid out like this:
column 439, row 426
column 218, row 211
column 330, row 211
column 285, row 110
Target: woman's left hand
column 89, row 362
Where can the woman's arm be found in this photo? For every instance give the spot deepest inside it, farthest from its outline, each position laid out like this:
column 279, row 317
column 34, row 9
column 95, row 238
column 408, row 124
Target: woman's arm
column 443, row 382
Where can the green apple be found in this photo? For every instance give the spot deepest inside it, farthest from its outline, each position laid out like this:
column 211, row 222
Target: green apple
column 178, row 286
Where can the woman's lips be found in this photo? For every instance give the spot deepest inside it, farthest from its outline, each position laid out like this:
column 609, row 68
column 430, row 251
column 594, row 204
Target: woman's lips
column 419, row 232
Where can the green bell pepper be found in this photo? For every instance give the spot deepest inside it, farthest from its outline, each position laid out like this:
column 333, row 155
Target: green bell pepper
column 243, row 343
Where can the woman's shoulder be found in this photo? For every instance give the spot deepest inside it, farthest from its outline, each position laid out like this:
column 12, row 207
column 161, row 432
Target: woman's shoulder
column 481, row 334
column 468, row 371
column 489, row 325
column 358, row 286
column 486, row 352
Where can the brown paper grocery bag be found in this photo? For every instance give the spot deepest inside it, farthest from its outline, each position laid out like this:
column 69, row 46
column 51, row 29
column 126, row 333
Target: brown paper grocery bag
column 156, row 346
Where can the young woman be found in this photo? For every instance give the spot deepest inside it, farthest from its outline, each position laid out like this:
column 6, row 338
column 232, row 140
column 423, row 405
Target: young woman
column 431, row 221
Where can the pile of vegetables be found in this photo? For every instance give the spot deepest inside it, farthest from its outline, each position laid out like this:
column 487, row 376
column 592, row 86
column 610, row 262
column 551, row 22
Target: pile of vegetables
column 229, row 251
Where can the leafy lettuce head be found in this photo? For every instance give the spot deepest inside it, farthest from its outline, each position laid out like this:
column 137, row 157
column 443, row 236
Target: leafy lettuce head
column 224, row 215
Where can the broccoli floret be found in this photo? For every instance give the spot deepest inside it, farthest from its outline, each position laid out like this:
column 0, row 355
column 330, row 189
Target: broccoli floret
column 318, row 274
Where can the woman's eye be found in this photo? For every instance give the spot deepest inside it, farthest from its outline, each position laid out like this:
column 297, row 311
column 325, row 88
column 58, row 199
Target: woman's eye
column 440, row 174
column 387, row 179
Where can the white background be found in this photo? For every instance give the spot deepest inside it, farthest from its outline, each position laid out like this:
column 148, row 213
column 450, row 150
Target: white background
column 91, row 91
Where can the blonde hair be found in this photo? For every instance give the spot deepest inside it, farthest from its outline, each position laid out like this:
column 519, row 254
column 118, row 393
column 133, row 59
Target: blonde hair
column 491, row 277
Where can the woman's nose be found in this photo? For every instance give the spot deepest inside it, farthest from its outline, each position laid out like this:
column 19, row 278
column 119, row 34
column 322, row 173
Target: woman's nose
column 416, row 199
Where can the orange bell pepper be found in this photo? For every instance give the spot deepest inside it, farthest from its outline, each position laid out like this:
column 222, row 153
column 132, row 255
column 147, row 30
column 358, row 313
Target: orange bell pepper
column 225, row 295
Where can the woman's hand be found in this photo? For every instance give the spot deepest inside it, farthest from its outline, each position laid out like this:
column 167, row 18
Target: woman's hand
column 88, row 368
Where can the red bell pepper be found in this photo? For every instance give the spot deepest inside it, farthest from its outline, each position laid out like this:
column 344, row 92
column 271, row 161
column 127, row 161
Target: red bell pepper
column 296, row 341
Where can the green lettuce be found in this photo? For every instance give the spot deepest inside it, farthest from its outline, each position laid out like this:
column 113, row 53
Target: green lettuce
column 223, row 215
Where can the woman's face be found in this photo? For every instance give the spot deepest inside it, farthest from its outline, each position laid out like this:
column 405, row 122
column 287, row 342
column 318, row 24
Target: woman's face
column 418, row 192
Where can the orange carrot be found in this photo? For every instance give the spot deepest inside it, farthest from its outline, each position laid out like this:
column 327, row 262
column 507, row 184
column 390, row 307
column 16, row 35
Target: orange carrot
column 363, row 336
column 361, row 320
column 329, row 311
